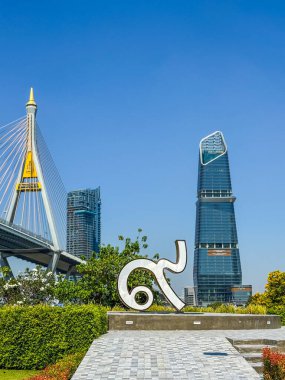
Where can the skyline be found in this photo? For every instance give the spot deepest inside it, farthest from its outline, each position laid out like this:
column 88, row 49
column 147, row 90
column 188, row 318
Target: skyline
column 22, row 267
column 144, row 84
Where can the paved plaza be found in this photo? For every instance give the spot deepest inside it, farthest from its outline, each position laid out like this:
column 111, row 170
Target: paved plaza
column 198, row 355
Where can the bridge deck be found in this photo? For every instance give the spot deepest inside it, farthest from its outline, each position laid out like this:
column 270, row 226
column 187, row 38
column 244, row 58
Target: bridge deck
column 18, row 242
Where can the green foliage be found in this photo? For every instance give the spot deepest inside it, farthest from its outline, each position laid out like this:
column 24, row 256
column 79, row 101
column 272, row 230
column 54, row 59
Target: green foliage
column 274, row 294
column 215, row 305
column 254, row 309
column 157, row 308
column 33, row 337
column 229, row 309
column 278, row 310
column 67, row 292
column 226, row 309
column 275, row 288
column 98, row 283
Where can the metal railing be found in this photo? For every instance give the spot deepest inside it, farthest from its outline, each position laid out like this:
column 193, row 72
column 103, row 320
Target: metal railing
column 24, row 231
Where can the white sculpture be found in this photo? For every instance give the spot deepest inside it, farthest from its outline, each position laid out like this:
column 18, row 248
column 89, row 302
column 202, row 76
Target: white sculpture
column 157, row 269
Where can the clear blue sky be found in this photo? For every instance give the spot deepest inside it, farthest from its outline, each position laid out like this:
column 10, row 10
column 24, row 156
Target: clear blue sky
column 126, row 90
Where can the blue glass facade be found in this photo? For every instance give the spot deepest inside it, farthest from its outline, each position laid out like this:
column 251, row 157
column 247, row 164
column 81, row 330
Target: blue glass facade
column 241, row 294
column 216, row 259
column 83, row 222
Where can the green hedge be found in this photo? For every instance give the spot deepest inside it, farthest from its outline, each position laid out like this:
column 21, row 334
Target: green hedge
column 31, row 337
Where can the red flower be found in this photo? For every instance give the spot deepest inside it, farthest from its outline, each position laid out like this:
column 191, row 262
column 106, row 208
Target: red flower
column 274, row 364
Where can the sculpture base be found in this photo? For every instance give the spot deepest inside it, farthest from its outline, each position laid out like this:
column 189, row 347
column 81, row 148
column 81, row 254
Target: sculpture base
column 190, row 321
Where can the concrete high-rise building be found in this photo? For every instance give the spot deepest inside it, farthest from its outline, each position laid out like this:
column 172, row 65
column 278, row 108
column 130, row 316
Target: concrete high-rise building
column 83, row 222
column 189, row 296
column 217, row 268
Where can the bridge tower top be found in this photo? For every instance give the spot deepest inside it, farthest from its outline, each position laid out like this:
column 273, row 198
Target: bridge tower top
column 31, row 104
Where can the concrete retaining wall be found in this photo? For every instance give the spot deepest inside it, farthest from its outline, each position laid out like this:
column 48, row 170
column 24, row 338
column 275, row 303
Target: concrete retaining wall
column 190, row 321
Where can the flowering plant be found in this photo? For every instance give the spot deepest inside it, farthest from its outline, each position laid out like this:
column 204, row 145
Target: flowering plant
column 274, row 364
column 62, row 370
column 29, row 288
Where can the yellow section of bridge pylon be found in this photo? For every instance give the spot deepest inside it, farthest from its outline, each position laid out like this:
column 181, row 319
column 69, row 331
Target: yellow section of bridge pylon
column 30, row 172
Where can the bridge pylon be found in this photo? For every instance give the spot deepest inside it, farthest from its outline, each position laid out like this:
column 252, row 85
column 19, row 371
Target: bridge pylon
column 32, row 198
column 30, row 176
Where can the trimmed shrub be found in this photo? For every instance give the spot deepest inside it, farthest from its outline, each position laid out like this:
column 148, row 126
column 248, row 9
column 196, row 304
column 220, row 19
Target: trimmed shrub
column 251, row 309
column 32, row 337
column 198, row 309
column 274, row 365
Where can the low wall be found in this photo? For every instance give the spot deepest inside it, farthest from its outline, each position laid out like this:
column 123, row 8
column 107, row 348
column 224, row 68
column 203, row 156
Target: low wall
column 190, row 321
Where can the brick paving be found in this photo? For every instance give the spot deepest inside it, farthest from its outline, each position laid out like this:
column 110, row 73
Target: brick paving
column 159, row 355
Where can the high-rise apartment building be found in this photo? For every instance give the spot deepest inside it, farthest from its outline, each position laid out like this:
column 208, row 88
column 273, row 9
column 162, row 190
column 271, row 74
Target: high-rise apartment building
column 83, row 222
column 189, row 296
column 217, row 268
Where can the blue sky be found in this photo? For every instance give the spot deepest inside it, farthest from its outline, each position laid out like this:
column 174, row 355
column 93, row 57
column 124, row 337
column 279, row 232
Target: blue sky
column 125, row 92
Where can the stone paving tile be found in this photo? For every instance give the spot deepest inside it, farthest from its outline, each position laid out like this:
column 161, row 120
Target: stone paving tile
column 169, row 355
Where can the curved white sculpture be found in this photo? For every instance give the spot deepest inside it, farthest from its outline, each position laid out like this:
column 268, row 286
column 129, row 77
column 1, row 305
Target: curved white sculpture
column 158, row 270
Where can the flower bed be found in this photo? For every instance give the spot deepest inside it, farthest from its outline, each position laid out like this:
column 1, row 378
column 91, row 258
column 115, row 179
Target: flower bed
column 62, row 370
column 274, row 365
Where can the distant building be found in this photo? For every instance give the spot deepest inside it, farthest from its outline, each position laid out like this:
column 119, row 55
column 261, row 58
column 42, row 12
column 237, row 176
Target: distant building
column 83, row 222
column 241, row 294
column 189, row 296
column 217, row 268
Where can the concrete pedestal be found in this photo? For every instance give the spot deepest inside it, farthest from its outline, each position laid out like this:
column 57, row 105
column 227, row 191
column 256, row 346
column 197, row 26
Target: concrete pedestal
column 190, row 321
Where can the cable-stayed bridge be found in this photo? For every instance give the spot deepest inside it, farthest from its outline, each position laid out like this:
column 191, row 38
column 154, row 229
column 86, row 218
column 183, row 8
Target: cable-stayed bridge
column 32, row 198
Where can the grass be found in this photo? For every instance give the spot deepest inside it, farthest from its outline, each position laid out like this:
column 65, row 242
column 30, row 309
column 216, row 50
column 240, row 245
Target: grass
column 14, row 374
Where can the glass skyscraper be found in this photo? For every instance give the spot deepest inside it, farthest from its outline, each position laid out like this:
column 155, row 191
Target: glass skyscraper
column 217, row 268
column 83, row 222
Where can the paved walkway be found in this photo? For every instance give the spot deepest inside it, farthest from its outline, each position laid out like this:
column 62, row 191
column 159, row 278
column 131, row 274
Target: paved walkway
column 160, row 355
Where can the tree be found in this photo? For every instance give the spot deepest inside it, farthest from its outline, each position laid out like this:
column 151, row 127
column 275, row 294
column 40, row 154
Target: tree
column 274, row 294
column 98, row 283
column 30, row 287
